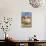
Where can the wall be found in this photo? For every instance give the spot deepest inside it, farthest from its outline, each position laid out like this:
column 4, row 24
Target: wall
column 45, row 28
column 13, row 8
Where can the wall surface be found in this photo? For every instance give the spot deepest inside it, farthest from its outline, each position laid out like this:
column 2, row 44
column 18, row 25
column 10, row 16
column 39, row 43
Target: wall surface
column 13, row 8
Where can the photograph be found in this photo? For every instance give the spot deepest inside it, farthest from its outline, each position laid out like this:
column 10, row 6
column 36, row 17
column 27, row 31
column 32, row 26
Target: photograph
column 26, row 19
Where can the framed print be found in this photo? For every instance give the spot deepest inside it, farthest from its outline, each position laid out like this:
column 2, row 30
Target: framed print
column 26, row 19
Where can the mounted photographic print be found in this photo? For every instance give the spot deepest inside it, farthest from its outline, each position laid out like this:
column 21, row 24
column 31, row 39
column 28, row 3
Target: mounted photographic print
column 36, row 3
column 26, row 19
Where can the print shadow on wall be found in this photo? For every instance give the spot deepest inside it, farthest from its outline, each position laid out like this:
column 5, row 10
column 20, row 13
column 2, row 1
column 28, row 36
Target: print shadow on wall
column 26, row 19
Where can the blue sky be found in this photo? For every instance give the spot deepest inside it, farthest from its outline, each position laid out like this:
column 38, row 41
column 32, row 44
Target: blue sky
column 26, row 13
